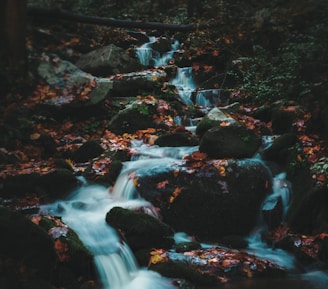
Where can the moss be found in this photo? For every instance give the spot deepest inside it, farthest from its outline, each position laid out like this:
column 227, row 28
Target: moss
column 187, row 246
column 141, row 230
column 205, row 124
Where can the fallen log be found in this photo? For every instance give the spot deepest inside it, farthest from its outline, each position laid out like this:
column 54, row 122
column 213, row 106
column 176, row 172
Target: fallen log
column 66, row 15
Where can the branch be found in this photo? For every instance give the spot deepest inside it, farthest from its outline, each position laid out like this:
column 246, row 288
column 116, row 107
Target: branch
column 65, row 15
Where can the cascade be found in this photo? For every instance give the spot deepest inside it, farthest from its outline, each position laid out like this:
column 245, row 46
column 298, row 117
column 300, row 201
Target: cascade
column 85, row 211
column 183, row 81
column 146, row 54
column 184, row 84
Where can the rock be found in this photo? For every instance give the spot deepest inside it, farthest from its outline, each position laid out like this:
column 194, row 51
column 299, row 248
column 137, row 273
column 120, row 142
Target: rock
column 56, row 184
column 212, row 266
column 282, row 121
column 214, row 118
column 108, row 60
column 87, row 151
column 74, row 261
column 311, row 202
column 176, row 140
column 140, row 230
column 278, row 151
column 162, row 45
column 187, row 246
column 26, row 250
column 215, row 199
column 233, row 141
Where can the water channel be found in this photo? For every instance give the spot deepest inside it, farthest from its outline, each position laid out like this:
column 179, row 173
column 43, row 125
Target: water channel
column 86, row 208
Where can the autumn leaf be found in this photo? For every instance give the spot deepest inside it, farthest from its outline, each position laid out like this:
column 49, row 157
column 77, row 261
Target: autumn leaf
column 34, row 136
column 162, row 185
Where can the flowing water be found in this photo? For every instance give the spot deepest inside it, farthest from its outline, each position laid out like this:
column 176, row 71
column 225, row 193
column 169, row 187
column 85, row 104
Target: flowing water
column 183, row 81
column 85, row 211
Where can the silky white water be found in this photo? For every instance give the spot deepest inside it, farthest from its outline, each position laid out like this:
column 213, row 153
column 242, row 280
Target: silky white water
column 85, row 212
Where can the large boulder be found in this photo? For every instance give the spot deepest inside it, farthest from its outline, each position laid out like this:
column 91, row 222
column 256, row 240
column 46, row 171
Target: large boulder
column 108, row 60
column 211, row 198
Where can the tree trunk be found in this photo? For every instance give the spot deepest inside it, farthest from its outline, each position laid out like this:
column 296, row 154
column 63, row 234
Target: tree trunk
column 13, row 55
column 65, row 15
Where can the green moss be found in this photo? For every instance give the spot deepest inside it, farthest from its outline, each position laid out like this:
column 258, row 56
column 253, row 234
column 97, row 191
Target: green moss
column 204, row 125
column 187, row 246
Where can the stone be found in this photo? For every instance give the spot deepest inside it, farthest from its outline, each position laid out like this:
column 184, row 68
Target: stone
column 108, row 60
column 233, row 141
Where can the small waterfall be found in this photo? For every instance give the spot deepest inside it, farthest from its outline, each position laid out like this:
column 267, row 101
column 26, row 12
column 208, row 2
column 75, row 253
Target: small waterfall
column 146, row 54
column 184, row 84
column 208, row 97
column 147, row 159
column 85, row 211
column 280, row 189
column 161, row 60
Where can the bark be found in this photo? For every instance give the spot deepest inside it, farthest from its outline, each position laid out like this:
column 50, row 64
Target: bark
column 65, row 15
column 13, row 55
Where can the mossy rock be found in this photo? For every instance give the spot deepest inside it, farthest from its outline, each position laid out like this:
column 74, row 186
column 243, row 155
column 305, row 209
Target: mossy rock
column 141, row 230
column 129, row 120
column 78, row 265
column 213, row 119
column 234, row 141
column 187, row 246
column 27, row 245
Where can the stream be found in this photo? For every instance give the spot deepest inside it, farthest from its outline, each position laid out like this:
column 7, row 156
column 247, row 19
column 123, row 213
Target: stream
column 86, row 208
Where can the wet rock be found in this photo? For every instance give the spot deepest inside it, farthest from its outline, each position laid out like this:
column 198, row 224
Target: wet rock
column 187, row 246
column 212, row 266
column 209, row 199
column 108, row 60
column 140, row 230
column 162, row 45
column 233, row 141
column 278, row 151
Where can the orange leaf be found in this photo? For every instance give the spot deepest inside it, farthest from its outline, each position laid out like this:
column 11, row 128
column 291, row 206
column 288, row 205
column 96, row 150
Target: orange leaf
column 198, row 156
column 34, row 136
column 162, row 184
column 225, row 123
